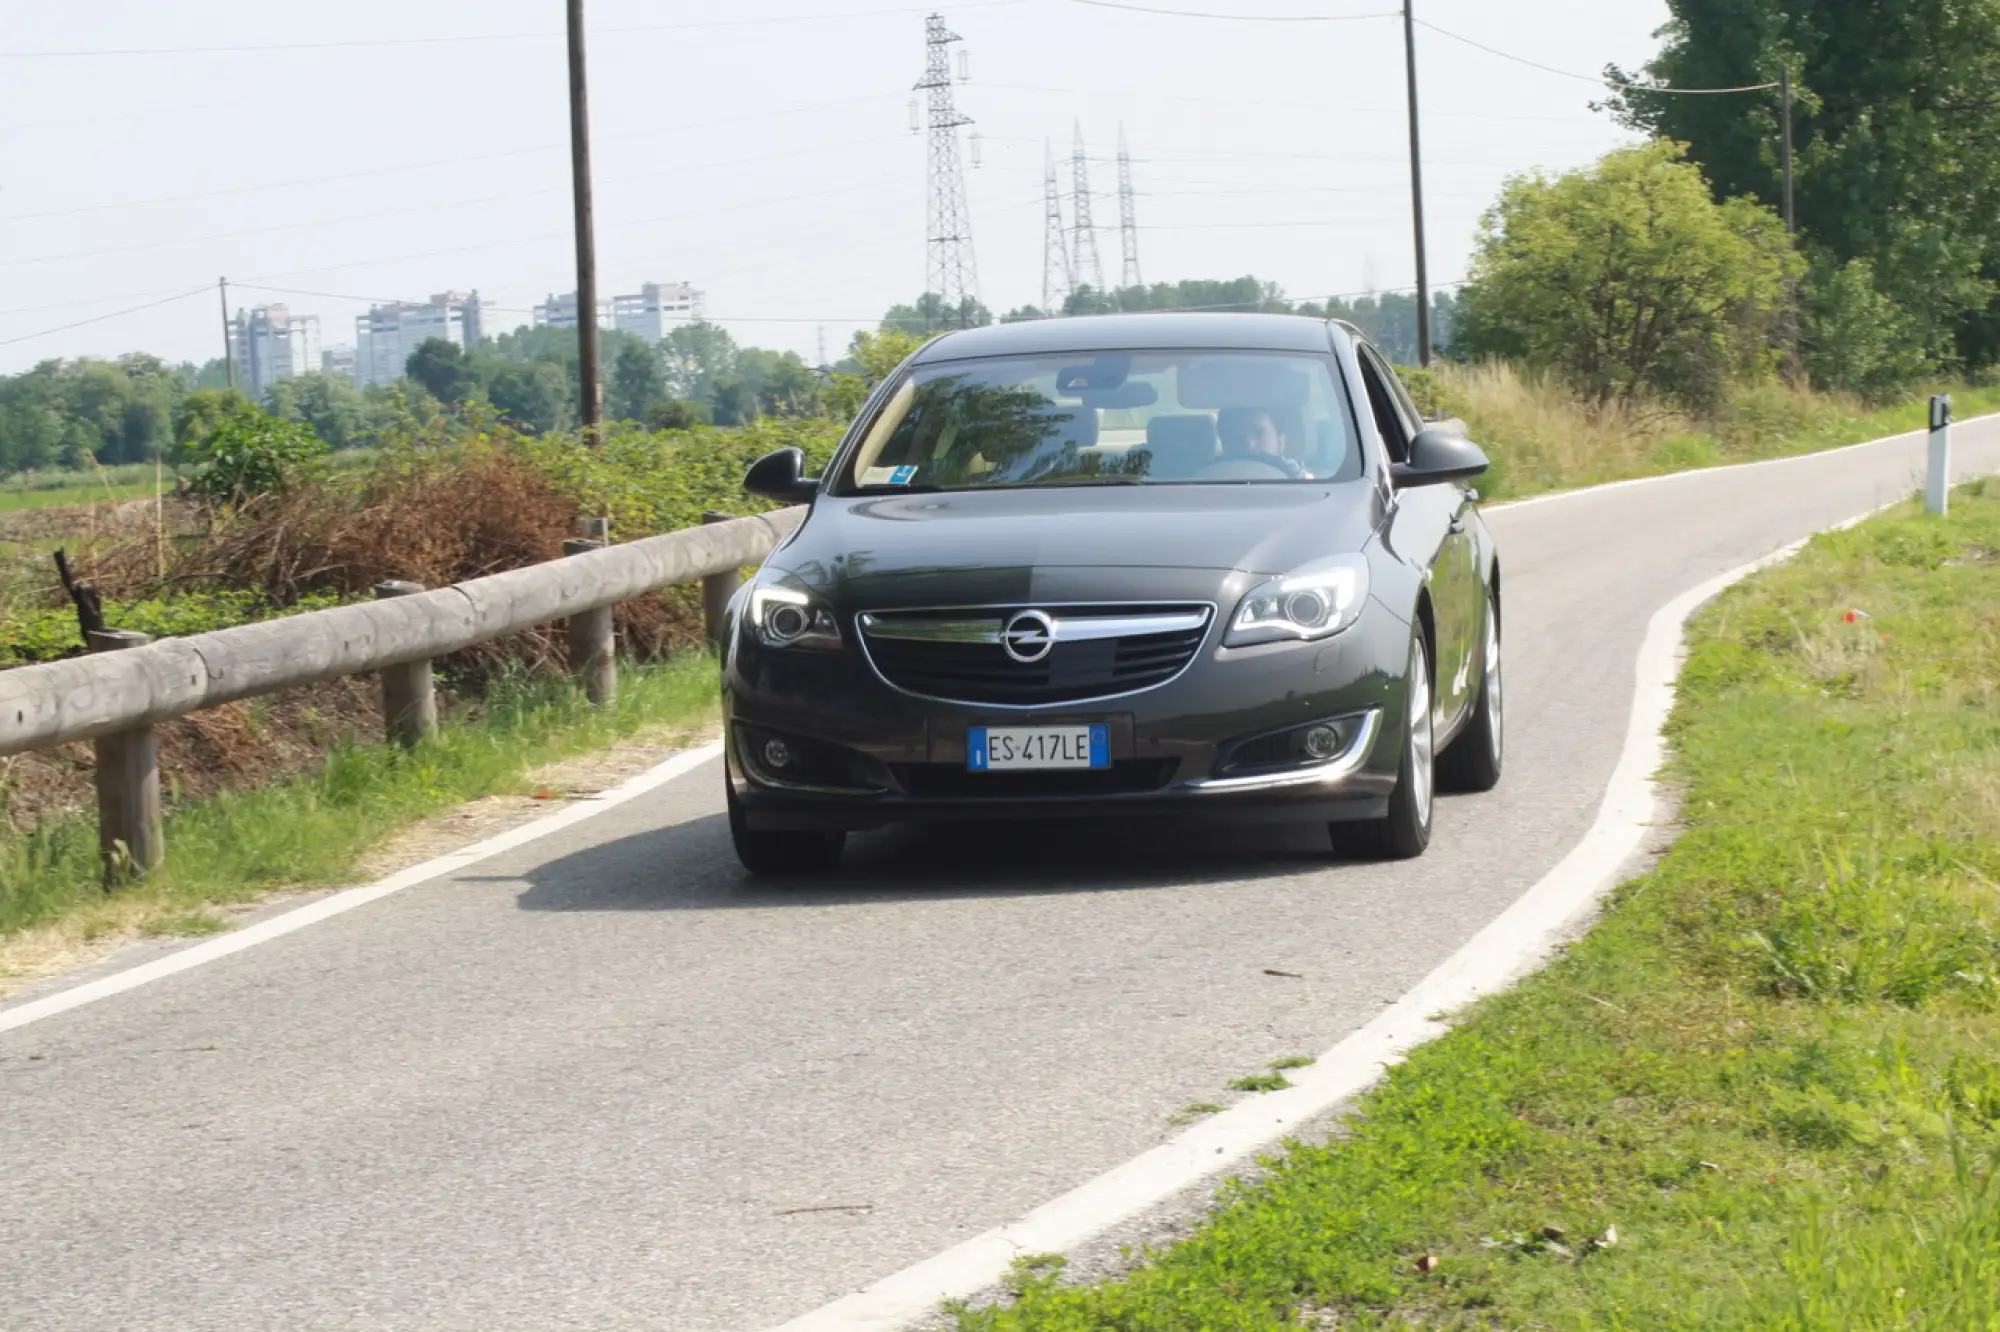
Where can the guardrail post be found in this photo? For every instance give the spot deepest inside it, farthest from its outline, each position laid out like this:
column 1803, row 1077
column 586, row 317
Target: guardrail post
column 129, row 829
column 717, row 589
column 409, row 705
column 1937, row 481
column 593, row 647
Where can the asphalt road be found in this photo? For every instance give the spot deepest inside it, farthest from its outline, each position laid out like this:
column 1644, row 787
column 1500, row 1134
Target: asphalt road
column 590, row 1083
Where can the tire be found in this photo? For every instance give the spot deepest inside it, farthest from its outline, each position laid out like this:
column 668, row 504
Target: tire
column 765, row 851
column 1406, row 830
column 1474, row 758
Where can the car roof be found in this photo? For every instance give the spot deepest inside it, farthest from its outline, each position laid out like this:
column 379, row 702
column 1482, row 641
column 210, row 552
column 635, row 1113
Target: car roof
column 1123, row 332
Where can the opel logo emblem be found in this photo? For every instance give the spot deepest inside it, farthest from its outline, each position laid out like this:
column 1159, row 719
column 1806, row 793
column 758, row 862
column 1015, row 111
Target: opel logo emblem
column 1028, row 637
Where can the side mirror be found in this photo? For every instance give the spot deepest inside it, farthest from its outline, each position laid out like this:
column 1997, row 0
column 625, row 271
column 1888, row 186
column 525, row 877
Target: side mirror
column 1437, row 456
column 781, row 476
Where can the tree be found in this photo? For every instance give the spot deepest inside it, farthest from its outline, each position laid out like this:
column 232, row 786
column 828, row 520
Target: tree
column 638, row 382
column 782, row 383
column 332, row 405
column 930, row 314
column 1896, row 130
column 202, row 413
column 675, row 414
column 696, row 356
column 1627, row 278
column 441, row 367
column 871, row 358
column 534, row 394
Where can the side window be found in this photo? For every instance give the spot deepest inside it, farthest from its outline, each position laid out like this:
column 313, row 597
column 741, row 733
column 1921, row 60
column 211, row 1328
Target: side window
column 1391, row 419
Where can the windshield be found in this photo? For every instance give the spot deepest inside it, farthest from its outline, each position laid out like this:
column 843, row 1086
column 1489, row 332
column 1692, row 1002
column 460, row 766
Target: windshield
column 1110, row 418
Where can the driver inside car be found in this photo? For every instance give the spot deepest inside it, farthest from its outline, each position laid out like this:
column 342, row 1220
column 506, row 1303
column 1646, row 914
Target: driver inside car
column 1255, row 431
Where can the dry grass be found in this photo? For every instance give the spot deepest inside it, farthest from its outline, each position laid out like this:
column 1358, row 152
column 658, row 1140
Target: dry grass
column 1541, row 436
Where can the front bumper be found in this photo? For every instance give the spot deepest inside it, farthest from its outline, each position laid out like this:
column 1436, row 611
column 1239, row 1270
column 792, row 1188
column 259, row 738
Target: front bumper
column 874, row 755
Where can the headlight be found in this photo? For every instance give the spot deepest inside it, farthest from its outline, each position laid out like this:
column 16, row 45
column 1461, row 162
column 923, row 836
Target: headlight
column 785, row 616
column 1312, row 601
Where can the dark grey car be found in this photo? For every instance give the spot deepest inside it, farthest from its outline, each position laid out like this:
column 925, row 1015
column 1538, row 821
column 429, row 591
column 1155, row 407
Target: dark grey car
column 1174, row 564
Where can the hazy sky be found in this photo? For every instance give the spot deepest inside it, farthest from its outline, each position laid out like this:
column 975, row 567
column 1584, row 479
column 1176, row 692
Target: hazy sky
column 760, row 150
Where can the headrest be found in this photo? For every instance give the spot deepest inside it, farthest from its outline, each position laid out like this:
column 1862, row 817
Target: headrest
column 1180, row 445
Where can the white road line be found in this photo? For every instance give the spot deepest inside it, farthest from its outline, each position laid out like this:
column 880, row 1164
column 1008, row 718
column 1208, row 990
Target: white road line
column 1513, row 944
column 339, row 903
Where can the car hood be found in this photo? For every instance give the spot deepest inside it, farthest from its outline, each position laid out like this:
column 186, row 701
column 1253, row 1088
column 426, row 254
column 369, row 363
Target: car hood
column 1021, row 543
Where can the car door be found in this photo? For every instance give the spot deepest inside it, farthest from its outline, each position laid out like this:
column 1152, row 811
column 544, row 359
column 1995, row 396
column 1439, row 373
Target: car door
column 1440, row 529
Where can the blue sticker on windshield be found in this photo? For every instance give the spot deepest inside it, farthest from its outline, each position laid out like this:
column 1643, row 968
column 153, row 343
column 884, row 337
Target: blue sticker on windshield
column 903, row 475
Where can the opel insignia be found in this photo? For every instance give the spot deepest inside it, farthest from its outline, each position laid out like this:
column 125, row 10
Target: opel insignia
column 1158, row 564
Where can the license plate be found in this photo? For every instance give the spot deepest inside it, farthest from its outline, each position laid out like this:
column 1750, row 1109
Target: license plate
column 1018, row 748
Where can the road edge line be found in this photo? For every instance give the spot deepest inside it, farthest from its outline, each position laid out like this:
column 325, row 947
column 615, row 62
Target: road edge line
column 345, row 900
column 1508, row 947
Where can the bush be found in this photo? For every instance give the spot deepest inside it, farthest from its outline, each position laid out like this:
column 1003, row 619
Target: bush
column 249, row 454
column 1854, row 337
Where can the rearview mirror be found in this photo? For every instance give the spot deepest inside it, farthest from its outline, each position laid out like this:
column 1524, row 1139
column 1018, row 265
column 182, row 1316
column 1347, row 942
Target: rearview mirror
column 1436, row 456
column 781, row 476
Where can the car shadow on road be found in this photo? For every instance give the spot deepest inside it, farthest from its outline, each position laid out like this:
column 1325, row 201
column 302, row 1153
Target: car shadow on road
column 691, row 866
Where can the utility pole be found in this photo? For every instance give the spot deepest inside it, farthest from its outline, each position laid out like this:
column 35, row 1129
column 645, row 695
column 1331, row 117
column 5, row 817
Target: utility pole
column 228, row 335
column 1128, row 219
column 1083, row 243
column 1058, row 277
column 1785, row 139
column 1417, row 191
column 586, row 230
column 949, row 269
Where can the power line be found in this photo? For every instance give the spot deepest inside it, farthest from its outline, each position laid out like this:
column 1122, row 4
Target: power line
column 461, row 160
column 202, row 290
column 1240, row 18
column 370, row 42
column 1586, row 78
column 424, row 207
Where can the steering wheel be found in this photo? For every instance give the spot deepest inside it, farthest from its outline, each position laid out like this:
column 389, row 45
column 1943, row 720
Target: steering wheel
column 1276, row 462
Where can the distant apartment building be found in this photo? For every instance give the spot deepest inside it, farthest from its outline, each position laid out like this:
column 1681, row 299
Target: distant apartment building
column 270, row 343
column 652, row 312
column 560, row 312
column 338, row 360
column 387, row 334
column 656, row 309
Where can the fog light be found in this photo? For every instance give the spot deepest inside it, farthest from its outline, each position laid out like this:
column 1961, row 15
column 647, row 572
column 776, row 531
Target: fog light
column 1322, row 742
column 777, row 753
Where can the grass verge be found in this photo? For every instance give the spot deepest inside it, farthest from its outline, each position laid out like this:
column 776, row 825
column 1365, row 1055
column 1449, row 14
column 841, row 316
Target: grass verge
column 1541, row 437
column 1764, row 1092
column 314, row 832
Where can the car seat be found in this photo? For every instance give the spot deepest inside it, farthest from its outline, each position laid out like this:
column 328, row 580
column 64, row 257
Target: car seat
column 1179, row 446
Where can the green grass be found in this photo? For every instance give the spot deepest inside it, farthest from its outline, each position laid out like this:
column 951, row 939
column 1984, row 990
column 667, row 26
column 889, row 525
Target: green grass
column 237, row 845
column 13, row 501
column 1783, row 1111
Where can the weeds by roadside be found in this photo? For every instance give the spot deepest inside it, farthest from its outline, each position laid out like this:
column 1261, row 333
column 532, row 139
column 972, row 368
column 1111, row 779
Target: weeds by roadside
column 1541, row 437
column 1783, row 1109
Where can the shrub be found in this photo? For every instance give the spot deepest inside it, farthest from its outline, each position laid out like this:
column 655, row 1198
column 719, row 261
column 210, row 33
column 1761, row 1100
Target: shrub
column 249, row 454
column 1854, row 337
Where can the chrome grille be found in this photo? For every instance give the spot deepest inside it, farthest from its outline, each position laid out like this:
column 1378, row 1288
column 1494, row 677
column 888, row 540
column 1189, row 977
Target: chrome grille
column 961, row 654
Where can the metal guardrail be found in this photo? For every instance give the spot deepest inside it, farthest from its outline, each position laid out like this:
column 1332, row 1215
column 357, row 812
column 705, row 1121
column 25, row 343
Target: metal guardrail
column 128, row 684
